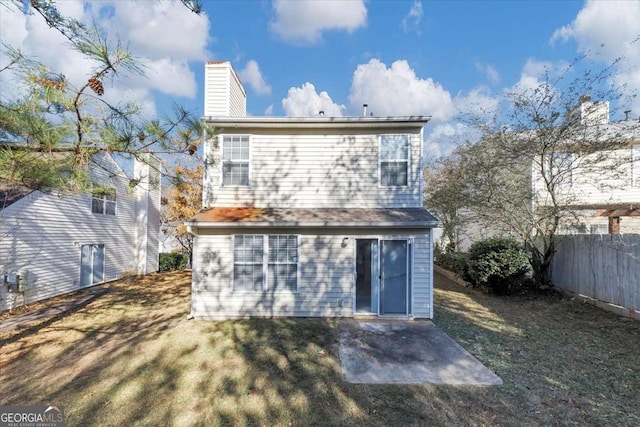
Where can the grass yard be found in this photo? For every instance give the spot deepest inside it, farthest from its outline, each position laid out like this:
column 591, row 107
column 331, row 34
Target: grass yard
column 131, row 358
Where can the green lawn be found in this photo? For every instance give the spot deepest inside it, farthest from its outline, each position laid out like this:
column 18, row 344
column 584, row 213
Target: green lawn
column 132, row 358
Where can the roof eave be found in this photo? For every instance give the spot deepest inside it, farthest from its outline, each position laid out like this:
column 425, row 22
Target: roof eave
column 317, row 122
column 315, row 224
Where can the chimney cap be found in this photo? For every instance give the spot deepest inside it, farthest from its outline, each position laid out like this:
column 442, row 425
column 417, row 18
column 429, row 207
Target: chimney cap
column 584, row 98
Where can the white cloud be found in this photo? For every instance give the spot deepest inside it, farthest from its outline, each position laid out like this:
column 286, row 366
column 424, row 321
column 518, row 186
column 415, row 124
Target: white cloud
column 12, row 28
column 445, row 137
column 161, row 75
column 154, row 33
column 411, row 22
column 606, row 28
column 30, row 34
column 606, row 31
column 269, row 110
column 479, row 102
column 252, row 76
column 306, row 102
column 157, row 29
column 397, row 91
column 534, row 74
column 489, row 71
column 303, row 21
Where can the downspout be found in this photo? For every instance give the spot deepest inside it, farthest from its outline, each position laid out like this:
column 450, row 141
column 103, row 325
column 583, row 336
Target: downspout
column 193, row 231
column 431, row 274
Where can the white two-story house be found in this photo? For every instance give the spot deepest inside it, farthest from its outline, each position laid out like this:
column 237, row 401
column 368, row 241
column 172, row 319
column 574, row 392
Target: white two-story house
column 601, row 189
column 51, row 244
column 309, row 216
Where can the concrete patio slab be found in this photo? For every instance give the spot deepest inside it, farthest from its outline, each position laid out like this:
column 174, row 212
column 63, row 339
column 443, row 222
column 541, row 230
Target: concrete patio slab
column 407, row 352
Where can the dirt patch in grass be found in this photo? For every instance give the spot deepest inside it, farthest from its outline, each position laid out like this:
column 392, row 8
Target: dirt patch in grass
column 130, row 357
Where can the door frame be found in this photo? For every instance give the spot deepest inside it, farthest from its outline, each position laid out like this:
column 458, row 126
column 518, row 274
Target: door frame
column 410, row 273
column 93, row 247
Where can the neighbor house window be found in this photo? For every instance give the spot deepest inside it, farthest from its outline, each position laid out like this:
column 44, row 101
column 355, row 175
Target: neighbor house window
column 599, row 228
column 235, row 160
column 276, row 256
column 248, row 263
column 561, row 168
column 635, row 165
column 103, row 201
column 394, row 160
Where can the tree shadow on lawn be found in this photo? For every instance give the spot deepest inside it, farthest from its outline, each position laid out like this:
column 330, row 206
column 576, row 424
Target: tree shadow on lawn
column 132, row 358
column 572, row 361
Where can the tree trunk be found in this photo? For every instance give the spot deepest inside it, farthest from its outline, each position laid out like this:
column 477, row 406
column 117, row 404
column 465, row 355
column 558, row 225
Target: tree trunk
column 541, row 260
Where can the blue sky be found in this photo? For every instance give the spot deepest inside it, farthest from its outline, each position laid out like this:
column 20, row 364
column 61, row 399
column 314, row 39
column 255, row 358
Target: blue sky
column 435, row 58
column 450, row 42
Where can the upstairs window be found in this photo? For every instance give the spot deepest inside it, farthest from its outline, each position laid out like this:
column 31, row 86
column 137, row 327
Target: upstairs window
column 103, row 201
column 235, row 160
column 394, row 160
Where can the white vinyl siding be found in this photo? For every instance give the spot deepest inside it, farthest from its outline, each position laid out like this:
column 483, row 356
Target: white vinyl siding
column 235, row 160
column 314, row 170
column 325, row 282
column 394, row 160
column 591, row 182
column 224, row 95
column 44, row 234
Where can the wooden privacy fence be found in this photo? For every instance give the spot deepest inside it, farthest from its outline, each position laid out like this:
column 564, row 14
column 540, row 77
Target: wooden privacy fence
column 603, row 267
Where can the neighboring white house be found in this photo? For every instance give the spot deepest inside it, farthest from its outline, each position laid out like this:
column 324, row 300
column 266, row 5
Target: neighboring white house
column 51, row 244
column 601, row 189
column 310, row 216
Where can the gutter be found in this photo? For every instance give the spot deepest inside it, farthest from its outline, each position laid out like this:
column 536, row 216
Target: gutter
column 317, row 122
column 316, row 224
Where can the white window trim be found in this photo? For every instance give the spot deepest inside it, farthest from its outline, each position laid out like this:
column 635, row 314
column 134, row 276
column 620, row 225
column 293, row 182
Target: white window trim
column 222, row 161
column 265, row 265
column 635, row 165
column 104, row 202
column 571, row 171
column 408, row 161
column 233, row 251
column 104, row 263
column 411, row 260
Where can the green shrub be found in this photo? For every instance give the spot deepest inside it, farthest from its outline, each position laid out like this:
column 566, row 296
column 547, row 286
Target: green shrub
column 458, row 262
column 173, row 261
column 498, row 264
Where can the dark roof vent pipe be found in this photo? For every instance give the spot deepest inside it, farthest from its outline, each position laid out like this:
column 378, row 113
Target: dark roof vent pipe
column 364, row 108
